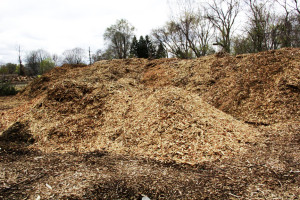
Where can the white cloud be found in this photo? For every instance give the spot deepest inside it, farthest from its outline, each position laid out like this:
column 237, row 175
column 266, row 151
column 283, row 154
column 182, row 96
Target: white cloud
column 57, row 25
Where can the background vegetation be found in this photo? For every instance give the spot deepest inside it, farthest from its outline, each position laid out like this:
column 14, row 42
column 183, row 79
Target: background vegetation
column 193, row 30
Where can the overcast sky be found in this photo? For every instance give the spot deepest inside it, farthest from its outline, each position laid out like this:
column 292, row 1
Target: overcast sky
column 58, row 25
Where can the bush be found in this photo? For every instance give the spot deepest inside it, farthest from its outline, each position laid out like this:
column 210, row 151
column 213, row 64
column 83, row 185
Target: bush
column 7, row 89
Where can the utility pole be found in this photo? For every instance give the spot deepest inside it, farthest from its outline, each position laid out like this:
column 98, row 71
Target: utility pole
column 90, row 56
column 21, row 72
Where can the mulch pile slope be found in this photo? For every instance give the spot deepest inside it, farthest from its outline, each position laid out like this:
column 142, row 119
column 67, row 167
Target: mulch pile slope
column 261, row 88
column 157, row 108
column 218, row 127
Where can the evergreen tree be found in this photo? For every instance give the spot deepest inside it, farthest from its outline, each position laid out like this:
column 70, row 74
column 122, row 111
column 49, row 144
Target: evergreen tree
column 161, row 51
column 150, row 47
column 142, row 48
column 134, row 47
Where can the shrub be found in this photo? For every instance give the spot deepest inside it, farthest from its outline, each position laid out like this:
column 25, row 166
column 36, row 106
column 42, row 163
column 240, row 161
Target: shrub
column 7, row 89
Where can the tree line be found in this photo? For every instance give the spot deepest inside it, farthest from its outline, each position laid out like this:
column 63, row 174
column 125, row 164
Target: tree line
column 196, row 30
column 39, row 61
column 193, row 30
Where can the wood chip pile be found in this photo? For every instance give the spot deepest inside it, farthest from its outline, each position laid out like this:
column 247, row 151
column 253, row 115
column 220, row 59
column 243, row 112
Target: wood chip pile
column 158, row 108
column 261, row 88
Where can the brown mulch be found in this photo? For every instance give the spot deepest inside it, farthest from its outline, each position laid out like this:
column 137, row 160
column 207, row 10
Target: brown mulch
column 124, row 116
column 217, row 127
column 258, row 88
column 268, row 170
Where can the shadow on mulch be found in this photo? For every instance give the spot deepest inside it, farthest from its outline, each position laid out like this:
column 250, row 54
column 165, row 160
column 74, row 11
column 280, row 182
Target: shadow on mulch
column 250, row 176
column 16, row 139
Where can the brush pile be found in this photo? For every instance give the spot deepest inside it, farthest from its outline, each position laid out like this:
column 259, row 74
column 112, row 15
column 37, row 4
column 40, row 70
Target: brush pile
column 157, row 109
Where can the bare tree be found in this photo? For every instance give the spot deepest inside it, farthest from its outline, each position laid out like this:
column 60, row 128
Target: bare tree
column 188, row 32
column 74, row 56
column 42, row 55
column 173, row 38
column 296, row 6
column 222, row 14
column 119, row 37
column 259, row 19
column 32, row 63
column 56, row 59
column 97, row 56
column 199, row 35
column 182, row 19
column 289, row 23
column 39, row 61
column 293, row 5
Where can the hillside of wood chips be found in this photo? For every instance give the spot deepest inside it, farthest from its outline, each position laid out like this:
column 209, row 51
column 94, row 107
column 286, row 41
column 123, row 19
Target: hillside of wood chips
column 187, row 111
column 217, row 127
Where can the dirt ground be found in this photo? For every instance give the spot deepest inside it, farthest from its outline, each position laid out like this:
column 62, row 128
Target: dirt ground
column 217, row 127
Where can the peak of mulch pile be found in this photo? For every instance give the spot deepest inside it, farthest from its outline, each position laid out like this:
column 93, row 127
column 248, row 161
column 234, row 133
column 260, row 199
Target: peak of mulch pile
column 154, row 108
column 261, row 88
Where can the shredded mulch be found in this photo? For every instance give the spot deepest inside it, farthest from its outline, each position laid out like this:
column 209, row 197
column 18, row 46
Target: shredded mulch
column 258, row 88
column 217, row 127
column 268, row 170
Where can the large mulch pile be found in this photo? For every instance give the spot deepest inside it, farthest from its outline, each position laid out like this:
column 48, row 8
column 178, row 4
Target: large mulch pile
column 261, row 88
column 232, row 116
column 107, row 107
column 154, row 108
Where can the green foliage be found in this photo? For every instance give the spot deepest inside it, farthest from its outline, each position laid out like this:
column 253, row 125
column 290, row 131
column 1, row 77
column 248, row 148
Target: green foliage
column 8, row 68
column 40, row 61
column 3, row 69
column 11, row 68
column 242, row 45
column 17, row 71
column 150, row 47
column 46, row 65
column 161, row 51
column 134, row 47
column 7, row 89
column 142, row 48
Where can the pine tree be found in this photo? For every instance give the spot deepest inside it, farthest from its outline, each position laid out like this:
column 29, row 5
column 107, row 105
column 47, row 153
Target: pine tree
column 150, row 48
column 142, row 48
column 161, row 51
column 134, row 48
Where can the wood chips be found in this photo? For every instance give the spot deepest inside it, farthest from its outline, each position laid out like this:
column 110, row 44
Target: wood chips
column 159, row 108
